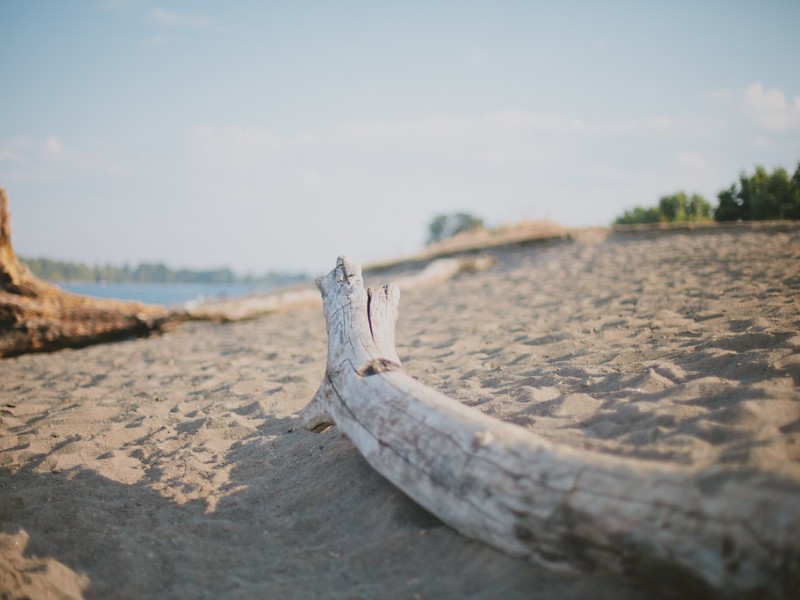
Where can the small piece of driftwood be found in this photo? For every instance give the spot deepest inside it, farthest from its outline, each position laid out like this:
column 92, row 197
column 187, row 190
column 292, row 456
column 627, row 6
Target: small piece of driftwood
column 38, row 316
column 717, row 531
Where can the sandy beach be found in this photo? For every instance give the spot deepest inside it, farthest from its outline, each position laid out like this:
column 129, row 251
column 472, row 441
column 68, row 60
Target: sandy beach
column 173, row 466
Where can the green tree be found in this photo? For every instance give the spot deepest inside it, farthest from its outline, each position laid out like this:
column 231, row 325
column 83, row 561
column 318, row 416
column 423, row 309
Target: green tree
column 673, row 208
column 638, row 215
column 729, row 205
column 778, row 195
column 698, row 209
column 442, row 227
column 153, row 273
column 792, row 210
column 761, row 196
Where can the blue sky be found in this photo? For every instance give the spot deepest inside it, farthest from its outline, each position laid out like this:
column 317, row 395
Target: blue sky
column 278, row 135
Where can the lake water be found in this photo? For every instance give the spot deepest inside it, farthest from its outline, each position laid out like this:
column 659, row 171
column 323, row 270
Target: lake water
column 168, row 294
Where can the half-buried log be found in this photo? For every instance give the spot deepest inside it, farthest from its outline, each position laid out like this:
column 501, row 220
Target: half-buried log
column 714, row 532
column 38, row 316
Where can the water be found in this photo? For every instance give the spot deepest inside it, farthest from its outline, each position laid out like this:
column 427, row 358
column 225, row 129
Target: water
column 167, row 294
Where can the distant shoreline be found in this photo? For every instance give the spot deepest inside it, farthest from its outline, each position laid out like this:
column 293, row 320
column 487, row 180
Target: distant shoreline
column 58, row 271
column 164, row 294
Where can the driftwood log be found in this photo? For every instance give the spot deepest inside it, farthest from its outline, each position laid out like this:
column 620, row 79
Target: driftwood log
column 719, row 532
column 38, row 316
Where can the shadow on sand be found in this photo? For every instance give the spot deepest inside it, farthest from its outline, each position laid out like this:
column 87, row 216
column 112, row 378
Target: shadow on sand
column 305, row 517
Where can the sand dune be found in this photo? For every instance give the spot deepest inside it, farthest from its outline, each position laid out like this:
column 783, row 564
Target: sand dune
column 172, row 466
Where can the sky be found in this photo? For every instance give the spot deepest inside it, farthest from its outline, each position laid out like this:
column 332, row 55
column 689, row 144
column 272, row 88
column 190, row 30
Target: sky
column 263, row 135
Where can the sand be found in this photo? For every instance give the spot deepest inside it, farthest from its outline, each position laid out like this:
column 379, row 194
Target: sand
column 172, row 466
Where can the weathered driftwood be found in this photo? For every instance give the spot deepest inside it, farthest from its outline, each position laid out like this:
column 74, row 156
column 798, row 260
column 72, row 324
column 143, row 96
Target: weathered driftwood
column 713, row 531
column 37, row 316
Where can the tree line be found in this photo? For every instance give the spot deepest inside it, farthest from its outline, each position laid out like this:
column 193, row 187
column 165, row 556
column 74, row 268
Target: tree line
column 443, row 227
column 57, row 270
column 760, row 196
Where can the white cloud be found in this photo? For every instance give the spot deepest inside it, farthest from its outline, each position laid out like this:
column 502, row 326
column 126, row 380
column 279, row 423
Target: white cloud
column 46, row 158
column 514, row 138
column 509, row 121
column 25, row 149
column 513, row 118
column 770, row 108
column 647, row 124
column 234, row 147
column 15, row 149
column 169, row 18
column 764, row 100
column 693, row 160
column 52, row 146
column 762, row 142
column 418, row 128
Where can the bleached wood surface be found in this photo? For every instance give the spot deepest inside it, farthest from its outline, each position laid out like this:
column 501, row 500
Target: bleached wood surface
column 733, row 533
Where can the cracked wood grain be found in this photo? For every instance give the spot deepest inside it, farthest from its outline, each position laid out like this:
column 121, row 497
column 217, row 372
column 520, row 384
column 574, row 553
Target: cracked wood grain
column 715, row 531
